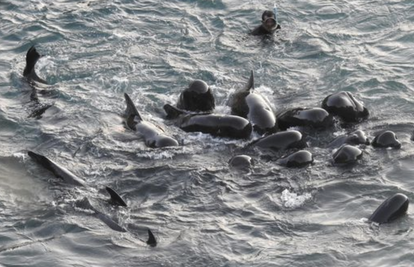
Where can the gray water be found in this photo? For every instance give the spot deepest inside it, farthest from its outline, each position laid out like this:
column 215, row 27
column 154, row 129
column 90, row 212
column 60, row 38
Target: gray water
column 202, row 213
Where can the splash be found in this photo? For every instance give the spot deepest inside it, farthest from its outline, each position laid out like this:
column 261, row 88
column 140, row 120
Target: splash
column 293, row 200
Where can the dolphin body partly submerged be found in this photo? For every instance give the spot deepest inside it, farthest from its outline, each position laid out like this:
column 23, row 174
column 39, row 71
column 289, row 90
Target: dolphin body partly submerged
column 70, row 178
column 253, row 106
column 154, row 136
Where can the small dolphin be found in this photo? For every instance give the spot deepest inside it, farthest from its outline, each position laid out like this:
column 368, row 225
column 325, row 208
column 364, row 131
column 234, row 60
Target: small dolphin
column 347, row 154
column 392, row 208
column 85, row 204
column 215, row 124
column 251, row 105
column 197, row 97
column 281, row 141
column 346, row 106
column 357, row 137
column 56, row 169
column 297, row 159
column 386, row 139
column 317, row 118
column 241, row 162
column 153, row 135
column 72, row 179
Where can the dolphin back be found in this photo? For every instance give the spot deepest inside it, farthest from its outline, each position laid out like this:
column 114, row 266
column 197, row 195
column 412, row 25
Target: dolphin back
column 392, row 208
column 56, row 169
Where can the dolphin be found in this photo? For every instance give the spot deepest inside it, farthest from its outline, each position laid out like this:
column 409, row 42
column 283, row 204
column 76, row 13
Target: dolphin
column 222, row 125
column 392, row 208
column 153, row 135
column 253, row 106
column 72, row 179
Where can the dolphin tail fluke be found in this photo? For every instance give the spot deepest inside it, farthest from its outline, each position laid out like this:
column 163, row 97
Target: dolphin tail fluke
column 250, row 83
column 152, row 242
column 172, row 112
column 116, row 199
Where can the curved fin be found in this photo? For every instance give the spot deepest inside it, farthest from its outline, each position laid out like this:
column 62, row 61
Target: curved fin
column 151, row 239
column 32, row 57
column 250, row 84
column 131, row 113
column 173, row 112
column 116, row 199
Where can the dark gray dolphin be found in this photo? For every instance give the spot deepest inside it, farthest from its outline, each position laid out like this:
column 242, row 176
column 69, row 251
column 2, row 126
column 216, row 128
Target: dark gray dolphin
column 197, row 97
column 386, row 139
column 297, row 159
column 153, row 135
column 317, row 118
column 346, row 106
column 241, row 162
column 217, row 125
column 357, row 137
column 70, row 178
column 281, row 141
column 392, row 208
column 59, row 171
column 347, row 154
column 250, row 105
column 85, row 204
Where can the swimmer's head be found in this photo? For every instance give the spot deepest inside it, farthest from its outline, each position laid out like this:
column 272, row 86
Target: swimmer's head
column 269, row 21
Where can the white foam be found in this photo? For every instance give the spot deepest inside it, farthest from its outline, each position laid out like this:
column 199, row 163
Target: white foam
column 293, row 200
column 20, row 155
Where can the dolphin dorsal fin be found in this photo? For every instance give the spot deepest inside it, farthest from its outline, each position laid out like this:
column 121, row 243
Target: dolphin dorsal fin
column 173, row 112
column 29, row 73
column 131, row 113
column 131, row 110
column 32, row 57
column 116, row 199
column 250, row 84
column 151, row 239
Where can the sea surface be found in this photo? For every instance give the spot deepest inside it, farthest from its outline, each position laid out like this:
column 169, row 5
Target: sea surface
column 202, row 212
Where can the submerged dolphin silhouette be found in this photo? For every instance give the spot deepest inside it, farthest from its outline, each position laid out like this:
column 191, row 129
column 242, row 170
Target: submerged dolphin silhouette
column 72, row 179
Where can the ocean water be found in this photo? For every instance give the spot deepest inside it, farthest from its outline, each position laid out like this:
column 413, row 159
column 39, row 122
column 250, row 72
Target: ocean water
column 201, row 212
